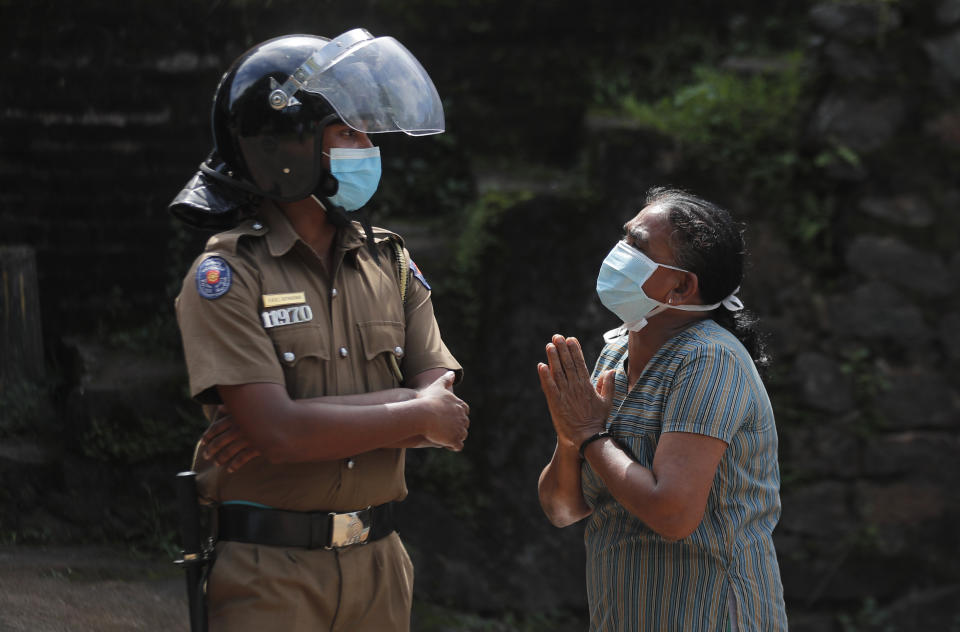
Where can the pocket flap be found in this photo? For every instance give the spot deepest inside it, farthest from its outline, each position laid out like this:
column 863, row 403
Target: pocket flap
column 295, row 343
column 381, row 337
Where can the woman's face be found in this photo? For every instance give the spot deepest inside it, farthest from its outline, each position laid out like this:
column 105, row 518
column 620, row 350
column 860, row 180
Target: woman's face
column 649, row 232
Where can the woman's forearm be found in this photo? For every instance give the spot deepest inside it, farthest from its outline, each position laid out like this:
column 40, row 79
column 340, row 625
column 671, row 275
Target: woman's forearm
column 671, row 497
column 559, row 488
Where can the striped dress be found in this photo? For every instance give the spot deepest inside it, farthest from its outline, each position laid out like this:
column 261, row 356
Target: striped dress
column 701, row 381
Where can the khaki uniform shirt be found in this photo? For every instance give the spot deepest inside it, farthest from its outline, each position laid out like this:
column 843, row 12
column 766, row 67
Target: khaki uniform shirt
column 259, row 306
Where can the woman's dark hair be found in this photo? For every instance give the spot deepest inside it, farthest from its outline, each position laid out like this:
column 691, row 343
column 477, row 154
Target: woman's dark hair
column 708, row 242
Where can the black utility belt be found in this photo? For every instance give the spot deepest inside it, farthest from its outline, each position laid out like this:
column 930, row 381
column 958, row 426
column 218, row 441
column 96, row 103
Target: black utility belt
column 306, row 530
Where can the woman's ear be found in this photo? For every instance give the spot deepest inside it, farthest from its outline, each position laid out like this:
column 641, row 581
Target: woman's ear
column 686, row 290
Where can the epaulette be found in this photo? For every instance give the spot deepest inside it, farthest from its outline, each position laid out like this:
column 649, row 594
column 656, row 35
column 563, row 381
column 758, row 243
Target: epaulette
column 389, row 239
column 381, row 235
column 227, row 240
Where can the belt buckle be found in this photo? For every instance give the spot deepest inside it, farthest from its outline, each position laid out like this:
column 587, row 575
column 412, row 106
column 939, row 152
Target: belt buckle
column 347, row 529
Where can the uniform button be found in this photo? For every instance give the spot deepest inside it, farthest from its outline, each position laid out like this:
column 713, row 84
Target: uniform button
column 333, row 292
column 398, row 351
column 257, row 226
column 289, row 357
column 351, row 464
column 343, row 352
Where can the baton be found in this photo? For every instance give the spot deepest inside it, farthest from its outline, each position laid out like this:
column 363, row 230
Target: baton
column 193, row 559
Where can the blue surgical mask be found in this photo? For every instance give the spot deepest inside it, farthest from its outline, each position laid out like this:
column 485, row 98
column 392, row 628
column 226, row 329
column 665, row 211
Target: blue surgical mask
column 358, row 173
column 620, row 287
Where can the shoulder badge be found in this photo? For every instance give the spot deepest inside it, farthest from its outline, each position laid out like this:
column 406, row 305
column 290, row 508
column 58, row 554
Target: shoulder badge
column 214, row 277
column 419, row 275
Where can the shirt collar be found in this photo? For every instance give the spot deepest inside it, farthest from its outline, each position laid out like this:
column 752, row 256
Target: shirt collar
column 282, row 236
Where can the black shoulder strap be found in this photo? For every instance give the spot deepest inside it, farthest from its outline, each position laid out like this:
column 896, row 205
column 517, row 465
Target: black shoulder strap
column 402, row 275
column 403, row 272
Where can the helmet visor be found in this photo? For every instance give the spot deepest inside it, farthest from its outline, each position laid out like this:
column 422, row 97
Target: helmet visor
column 375, row 85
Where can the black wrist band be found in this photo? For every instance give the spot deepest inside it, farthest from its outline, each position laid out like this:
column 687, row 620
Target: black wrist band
column 591, row 439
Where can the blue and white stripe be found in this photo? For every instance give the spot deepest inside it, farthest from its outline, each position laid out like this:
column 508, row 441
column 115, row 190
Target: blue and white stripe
column 701, row 381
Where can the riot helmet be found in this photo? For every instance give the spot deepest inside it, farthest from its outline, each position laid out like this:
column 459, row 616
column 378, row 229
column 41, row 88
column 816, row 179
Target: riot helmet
column 272, row 104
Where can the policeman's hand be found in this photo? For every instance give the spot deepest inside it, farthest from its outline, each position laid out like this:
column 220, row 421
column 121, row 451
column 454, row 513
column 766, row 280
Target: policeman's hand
column 578, row 410
column 447, row 415
column 224, row 444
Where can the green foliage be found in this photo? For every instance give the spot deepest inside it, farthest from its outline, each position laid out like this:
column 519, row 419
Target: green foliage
column 737, row 123
column 868, row 384
column 133, row 438
column 614, row 77
column 481, row 216
column 810, row 217
column 450, row 476
column 434, row 618
column 425, row 179
column 28, row 535
column 805, row 218
column 869, row 617
column 838, row 153
column 156, row 531
column 26, row 407
column 744, row 129
column 122, row 326
column 886, row 12
column 476, row 242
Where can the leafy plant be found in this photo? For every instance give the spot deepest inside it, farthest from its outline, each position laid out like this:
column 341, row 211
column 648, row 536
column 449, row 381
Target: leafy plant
column 868, row 384
column 744, row 123
column 435, row 618
column 132, row 438
column 474, row 244
column 25, row 407
column 869, row 617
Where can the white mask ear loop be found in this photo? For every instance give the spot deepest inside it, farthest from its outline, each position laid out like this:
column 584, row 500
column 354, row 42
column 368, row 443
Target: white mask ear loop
column 733, row 302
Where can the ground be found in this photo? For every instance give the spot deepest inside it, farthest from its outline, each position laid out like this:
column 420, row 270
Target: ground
column 56, row 589
column 102, row 589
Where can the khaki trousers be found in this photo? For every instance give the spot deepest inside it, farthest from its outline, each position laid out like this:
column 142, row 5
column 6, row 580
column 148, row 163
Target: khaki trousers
column 365, row 587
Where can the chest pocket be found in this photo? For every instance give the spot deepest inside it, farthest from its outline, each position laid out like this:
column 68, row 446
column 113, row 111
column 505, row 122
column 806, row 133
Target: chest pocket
column 298, row 346
column 383, row 348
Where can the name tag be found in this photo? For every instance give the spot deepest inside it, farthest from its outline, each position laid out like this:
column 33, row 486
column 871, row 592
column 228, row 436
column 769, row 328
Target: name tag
column 276, row 300
column 287, row 316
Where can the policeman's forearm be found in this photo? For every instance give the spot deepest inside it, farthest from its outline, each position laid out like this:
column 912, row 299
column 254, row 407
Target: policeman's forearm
column 392, row 395
column 418, row 441
column 285, row 430
column 388, row 396
column 309, row 431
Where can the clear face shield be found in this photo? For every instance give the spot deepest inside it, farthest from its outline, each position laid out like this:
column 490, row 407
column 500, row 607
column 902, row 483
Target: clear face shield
column 374, row 84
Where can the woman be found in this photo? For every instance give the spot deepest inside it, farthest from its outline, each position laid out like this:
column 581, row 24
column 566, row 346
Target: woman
column 670, row 447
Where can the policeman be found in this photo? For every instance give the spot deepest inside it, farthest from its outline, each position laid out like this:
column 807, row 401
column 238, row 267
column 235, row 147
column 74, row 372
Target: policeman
column 311, row 337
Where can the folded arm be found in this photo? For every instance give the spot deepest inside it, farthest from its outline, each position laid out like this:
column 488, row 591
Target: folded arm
column 261, row 419
column 417, row 382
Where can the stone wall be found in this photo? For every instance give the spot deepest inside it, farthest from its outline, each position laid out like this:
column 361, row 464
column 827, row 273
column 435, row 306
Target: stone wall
column 509, row 214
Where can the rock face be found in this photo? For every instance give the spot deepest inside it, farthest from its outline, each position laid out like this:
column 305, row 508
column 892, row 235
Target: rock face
column 509, row 216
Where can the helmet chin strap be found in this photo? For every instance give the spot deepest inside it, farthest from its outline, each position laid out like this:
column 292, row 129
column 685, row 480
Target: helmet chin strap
column 328, row 186
column 338, row 216
column 217, row 174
